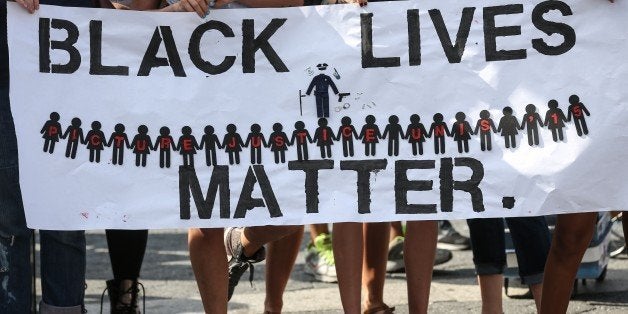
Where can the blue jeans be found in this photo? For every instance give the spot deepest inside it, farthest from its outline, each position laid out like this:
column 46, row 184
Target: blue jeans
column 531, row 239
column 62, row 252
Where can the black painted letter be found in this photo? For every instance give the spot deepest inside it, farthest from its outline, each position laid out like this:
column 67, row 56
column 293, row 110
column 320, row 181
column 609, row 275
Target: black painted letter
column 151, row 60
column 95, row 53
column 311, row 168
column 491, row 32
column 471, row 186
column 364, row 169
column 453, row 52
column 368, row 60
column 188, row 181
column 194, row 49
column 250, row 45
column 256, row 174
column 403, row 185
column 549, row 28
column 45, row 45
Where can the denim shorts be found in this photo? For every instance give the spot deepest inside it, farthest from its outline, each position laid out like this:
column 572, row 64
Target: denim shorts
column 531, row 239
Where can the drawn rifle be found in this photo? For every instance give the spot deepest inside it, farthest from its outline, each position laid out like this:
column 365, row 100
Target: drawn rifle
column 342, row 95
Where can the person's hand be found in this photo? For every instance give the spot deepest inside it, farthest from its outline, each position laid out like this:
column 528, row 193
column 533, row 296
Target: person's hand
column 198, row 6
column 30, row 5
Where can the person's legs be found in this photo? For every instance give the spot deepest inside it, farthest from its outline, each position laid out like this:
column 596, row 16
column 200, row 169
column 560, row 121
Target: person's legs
column 318, row 229
column 209, row 263
column 281, row 255
column 531, row 239
column 489, row 257
column 419, row 252
column 62, row 270
column 126, row 251
column 348, row 252
column 396, row 230
column 15, row 271
column 245, row 246
column 375, row 243
column 572, row 236
column 319, row 259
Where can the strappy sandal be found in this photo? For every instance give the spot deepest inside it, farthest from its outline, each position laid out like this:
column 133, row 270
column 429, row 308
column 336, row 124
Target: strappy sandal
column 383, row 309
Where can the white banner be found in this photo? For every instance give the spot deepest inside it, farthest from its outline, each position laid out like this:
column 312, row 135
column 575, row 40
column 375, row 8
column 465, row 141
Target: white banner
column 395, row 111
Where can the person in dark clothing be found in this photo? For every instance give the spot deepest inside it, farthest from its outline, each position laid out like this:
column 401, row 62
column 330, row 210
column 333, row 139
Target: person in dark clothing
column 321, row 84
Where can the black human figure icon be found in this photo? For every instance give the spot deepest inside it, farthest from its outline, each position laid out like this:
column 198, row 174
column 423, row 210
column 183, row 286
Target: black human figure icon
column 346, row 133
column 530, row 120
column 555, row 120
column 74, row 134
column 210, row 142
column 321, row 84
column 484, row 126
column 394, row 132
column 577, row 110
column 324, row 138
column 141, row 145
column 51, row 132
column 119, row 140
column 370, row 135
column 257, row 141
column 416, row 134
column 440, row 130
column 95, row 140
column 165, row 143
column 461, row 130
column 279, row 143
column 301, row 137
column 508, row 126
column 232, row 142
column 187, row 146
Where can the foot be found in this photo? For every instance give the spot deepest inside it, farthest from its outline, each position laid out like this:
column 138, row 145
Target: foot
column 238, row 261
column 319, row 260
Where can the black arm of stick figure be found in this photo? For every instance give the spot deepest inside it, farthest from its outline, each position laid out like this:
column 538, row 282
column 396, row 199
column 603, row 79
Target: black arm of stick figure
column 569, row 114
column 307, row 134
column 477, row 127
column 248, row 140
column 174, row 144
column 126, row 140
column 586, row 111
column 203, row 139
column 110, row 141
column 240, row 140
column 264, row 142
column 156, row 146
column 429, row 134
column 468, row 127
column 499, row 126
column 333, row 86
column 386, row 131
column 81, row 137
column 523, row 123
column 44, row 128
column 447, row 131
column 65, row 134
column 309, row 88
column 195, row 143
column 492, row 125
column 218, row 144
column 538, row 119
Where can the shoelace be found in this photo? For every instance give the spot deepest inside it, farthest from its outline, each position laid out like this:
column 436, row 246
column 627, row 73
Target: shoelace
column 127, row 307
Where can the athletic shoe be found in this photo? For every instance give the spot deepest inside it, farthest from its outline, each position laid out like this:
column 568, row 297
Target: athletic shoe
column 319, row 260
column 238, row 262
column 442, row 256
column 450, row 239
column 395, row 261
column 395, row 255
column 616, row 247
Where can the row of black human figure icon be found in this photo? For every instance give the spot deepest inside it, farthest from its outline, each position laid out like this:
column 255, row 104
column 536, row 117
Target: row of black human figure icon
column 324, row 136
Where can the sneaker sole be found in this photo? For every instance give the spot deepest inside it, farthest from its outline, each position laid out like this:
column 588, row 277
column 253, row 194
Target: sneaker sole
column 452, row 247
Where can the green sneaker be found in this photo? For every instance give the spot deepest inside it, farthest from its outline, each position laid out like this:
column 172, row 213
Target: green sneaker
column 319, row 260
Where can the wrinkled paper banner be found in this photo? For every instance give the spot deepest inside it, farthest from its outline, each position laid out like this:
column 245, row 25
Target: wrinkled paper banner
column 252, row 68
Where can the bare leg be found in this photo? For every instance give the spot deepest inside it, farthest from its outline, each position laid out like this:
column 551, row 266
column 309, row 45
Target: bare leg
column 253, row 238
column 281, row 255
column 491, row 291
column 209, row 263
column 537, row 290
column 572, row 236
column 375, row 243
column 396, row 230
column 419, row 253
column 348, row 252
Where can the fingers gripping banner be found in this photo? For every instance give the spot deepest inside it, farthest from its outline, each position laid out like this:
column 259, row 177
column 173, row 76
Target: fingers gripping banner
column 396, row 111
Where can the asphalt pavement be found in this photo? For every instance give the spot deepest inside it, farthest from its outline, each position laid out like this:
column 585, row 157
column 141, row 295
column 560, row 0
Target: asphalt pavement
column 171, row 288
